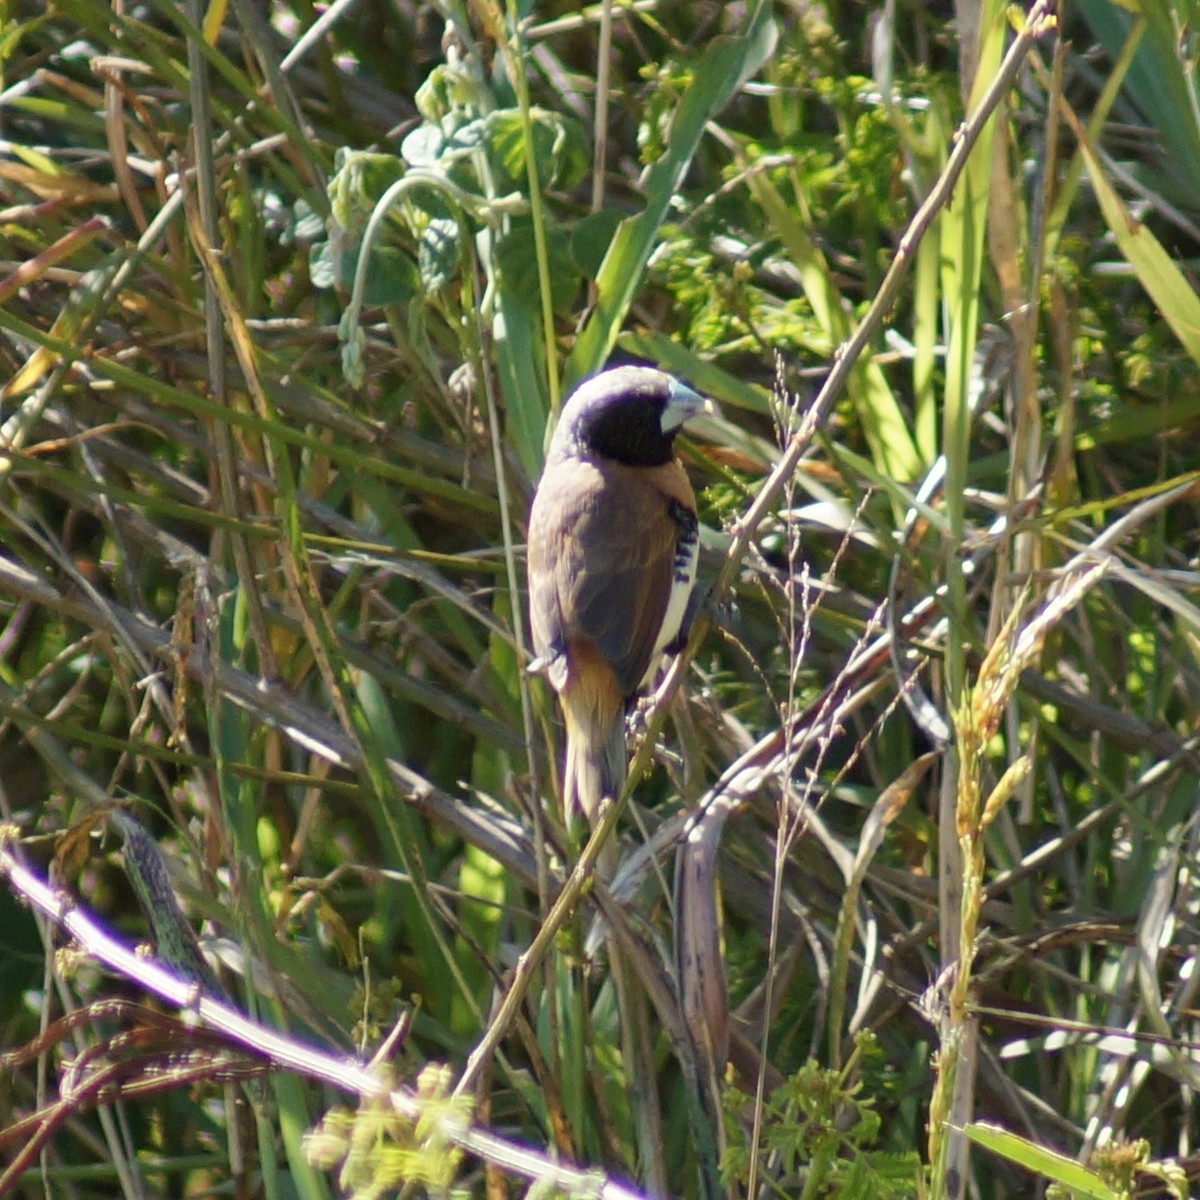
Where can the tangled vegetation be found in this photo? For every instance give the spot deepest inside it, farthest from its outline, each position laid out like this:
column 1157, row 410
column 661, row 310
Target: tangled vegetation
column 902, row 899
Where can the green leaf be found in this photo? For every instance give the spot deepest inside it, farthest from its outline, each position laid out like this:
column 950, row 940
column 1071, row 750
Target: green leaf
column 423, row 146
column 727, row 63
column 559, row 148
column 1156, row 272
column 437, row 254
column 517, row 259
column 518, row 355
column 392, row 276
column 883, row 422
column 591, row 238
column 1161, row 84
column 360, row 181
column 1050, row 1163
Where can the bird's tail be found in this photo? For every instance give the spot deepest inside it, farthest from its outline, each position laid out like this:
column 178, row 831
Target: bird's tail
column 596, row 762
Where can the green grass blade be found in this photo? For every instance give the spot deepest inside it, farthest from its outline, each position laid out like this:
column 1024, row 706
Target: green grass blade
column 725, row 65
column 1054, row 1166
column 1156, row 271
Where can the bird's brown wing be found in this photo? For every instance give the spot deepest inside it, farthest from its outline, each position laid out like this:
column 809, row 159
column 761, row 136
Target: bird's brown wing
column 601, row 551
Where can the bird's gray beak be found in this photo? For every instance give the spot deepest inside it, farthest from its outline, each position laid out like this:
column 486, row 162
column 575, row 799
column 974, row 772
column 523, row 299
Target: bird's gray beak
column 682, row 405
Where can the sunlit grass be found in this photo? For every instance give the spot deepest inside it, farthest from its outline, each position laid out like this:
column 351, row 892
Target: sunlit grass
column 262, row 511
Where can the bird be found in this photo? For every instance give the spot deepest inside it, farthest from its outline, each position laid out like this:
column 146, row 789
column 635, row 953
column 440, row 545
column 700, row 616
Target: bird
column 613, row 545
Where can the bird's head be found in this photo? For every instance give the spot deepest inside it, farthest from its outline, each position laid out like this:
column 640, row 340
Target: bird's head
column 630, row 414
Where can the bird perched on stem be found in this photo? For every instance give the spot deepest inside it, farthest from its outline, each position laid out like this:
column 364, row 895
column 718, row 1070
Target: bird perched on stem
column 613, row 545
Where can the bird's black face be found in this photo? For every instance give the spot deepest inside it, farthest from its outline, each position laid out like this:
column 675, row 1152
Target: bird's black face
column 629, row 414
column 628, row 427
